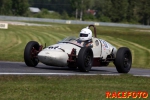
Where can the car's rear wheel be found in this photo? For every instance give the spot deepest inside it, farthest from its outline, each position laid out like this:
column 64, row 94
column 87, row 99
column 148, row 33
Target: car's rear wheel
column 30, row 53
column 85, row 59
column 123, row 60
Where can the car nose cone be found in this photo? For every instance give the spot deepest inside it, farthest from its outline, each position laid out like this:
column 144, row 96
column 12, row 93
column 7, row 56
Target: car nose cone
column 53, row 58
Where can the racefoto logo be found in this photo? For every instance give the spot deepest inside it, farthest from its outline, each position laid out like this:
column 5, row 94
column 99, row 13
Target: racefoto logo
column 126, row 95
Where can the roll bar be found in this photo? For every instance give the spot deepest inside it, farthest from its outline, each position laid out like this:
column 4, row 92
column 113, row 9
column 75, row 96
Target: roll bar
column 95, row 35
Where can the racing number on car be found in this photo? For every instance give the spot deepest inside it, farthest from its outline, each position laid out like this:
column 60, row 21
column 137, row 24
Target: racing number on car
column 54, row 47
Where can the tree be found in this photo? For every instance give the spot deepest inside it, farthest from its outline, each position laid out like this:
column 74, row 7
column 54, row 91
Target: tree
column 19, row 7
column 75, row 4
column 132, row 11
column 5, row 7
column 13, row 7
column 118, row 10
column 103, row 8
column 144, row 12
column 81, row 6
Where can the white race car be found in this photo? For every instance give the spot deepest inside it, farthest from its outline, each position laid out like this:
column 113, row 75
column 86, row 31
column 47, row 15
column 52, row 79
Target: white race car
column 69, row 52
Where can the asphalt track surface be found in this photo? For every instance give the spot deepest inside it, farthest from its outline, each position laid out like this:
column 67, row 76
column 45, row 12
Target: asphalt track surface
column 19, row 68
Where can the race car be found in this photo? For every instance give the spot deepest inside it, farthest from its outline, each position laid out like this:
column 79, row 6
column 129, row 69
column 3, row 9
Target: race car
column 73, row 53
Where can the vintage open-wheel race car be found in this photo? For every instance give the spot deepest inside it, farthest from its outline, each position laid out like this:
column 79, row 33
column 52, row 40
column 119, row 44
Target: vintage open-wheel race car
column 69, row 52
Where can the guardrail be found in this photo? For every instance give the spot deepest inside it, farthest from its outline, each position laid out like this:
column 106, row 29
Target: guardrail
column 14, row 18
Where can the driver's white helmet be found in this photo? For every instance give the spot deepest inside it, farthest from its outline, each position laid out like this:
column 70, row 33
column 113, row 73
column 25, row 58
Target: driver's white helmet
column 85, row 34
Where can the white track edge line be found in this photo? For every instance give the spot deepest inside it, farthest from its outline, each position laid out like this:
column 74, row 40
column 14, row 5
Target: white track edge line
column 55, row 74
column 66, row 74
column 142, row 75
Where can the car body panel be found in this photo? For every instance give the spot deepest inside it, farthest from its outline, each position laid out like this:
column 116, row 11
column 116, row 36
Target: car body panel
column 54, row 58
column 107, row 49
column 57, row 54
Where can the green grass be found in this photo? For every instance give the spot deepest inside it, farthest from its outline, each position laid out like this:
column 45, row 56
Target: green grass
column 14, row 39
column 69, row 87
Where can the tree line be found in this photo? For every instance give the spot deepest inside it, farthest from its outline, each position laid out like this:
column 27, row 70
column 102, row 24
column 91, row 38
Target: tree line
column 13, row 7
column 119, row 11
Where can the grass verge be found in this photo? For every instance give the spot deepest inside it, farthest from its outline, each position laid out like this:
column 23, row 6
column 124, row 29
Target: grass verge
column 69, row 87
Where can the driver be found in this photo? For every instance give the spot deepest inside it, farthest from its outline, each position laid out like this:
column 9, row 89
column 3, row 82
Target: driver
column 85, row 37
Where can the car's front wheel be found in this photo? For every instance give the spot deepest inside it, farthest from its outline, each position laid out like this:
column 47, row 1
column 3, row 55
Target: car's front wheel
column 85, row 59
column 123, row 60
column 30, row 53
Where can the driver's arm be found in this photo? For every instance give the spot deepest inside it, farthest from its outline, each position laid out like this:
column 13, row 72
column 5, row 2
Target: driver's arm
column 89, row 45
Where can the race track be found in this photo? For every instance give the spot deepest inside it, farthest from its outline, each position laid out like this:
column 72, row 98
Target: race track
column 19, row 68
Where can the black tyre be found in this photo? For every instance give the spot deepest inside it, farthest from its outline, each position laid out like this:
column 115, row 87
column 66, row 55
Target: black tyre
column 30, row 54
column 123, row 60
column 85, row 59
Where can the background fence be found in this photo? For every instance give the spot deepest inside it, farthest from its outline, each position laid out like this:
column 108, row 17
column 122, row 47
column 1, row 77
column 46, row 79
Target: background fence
column 14, row 18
